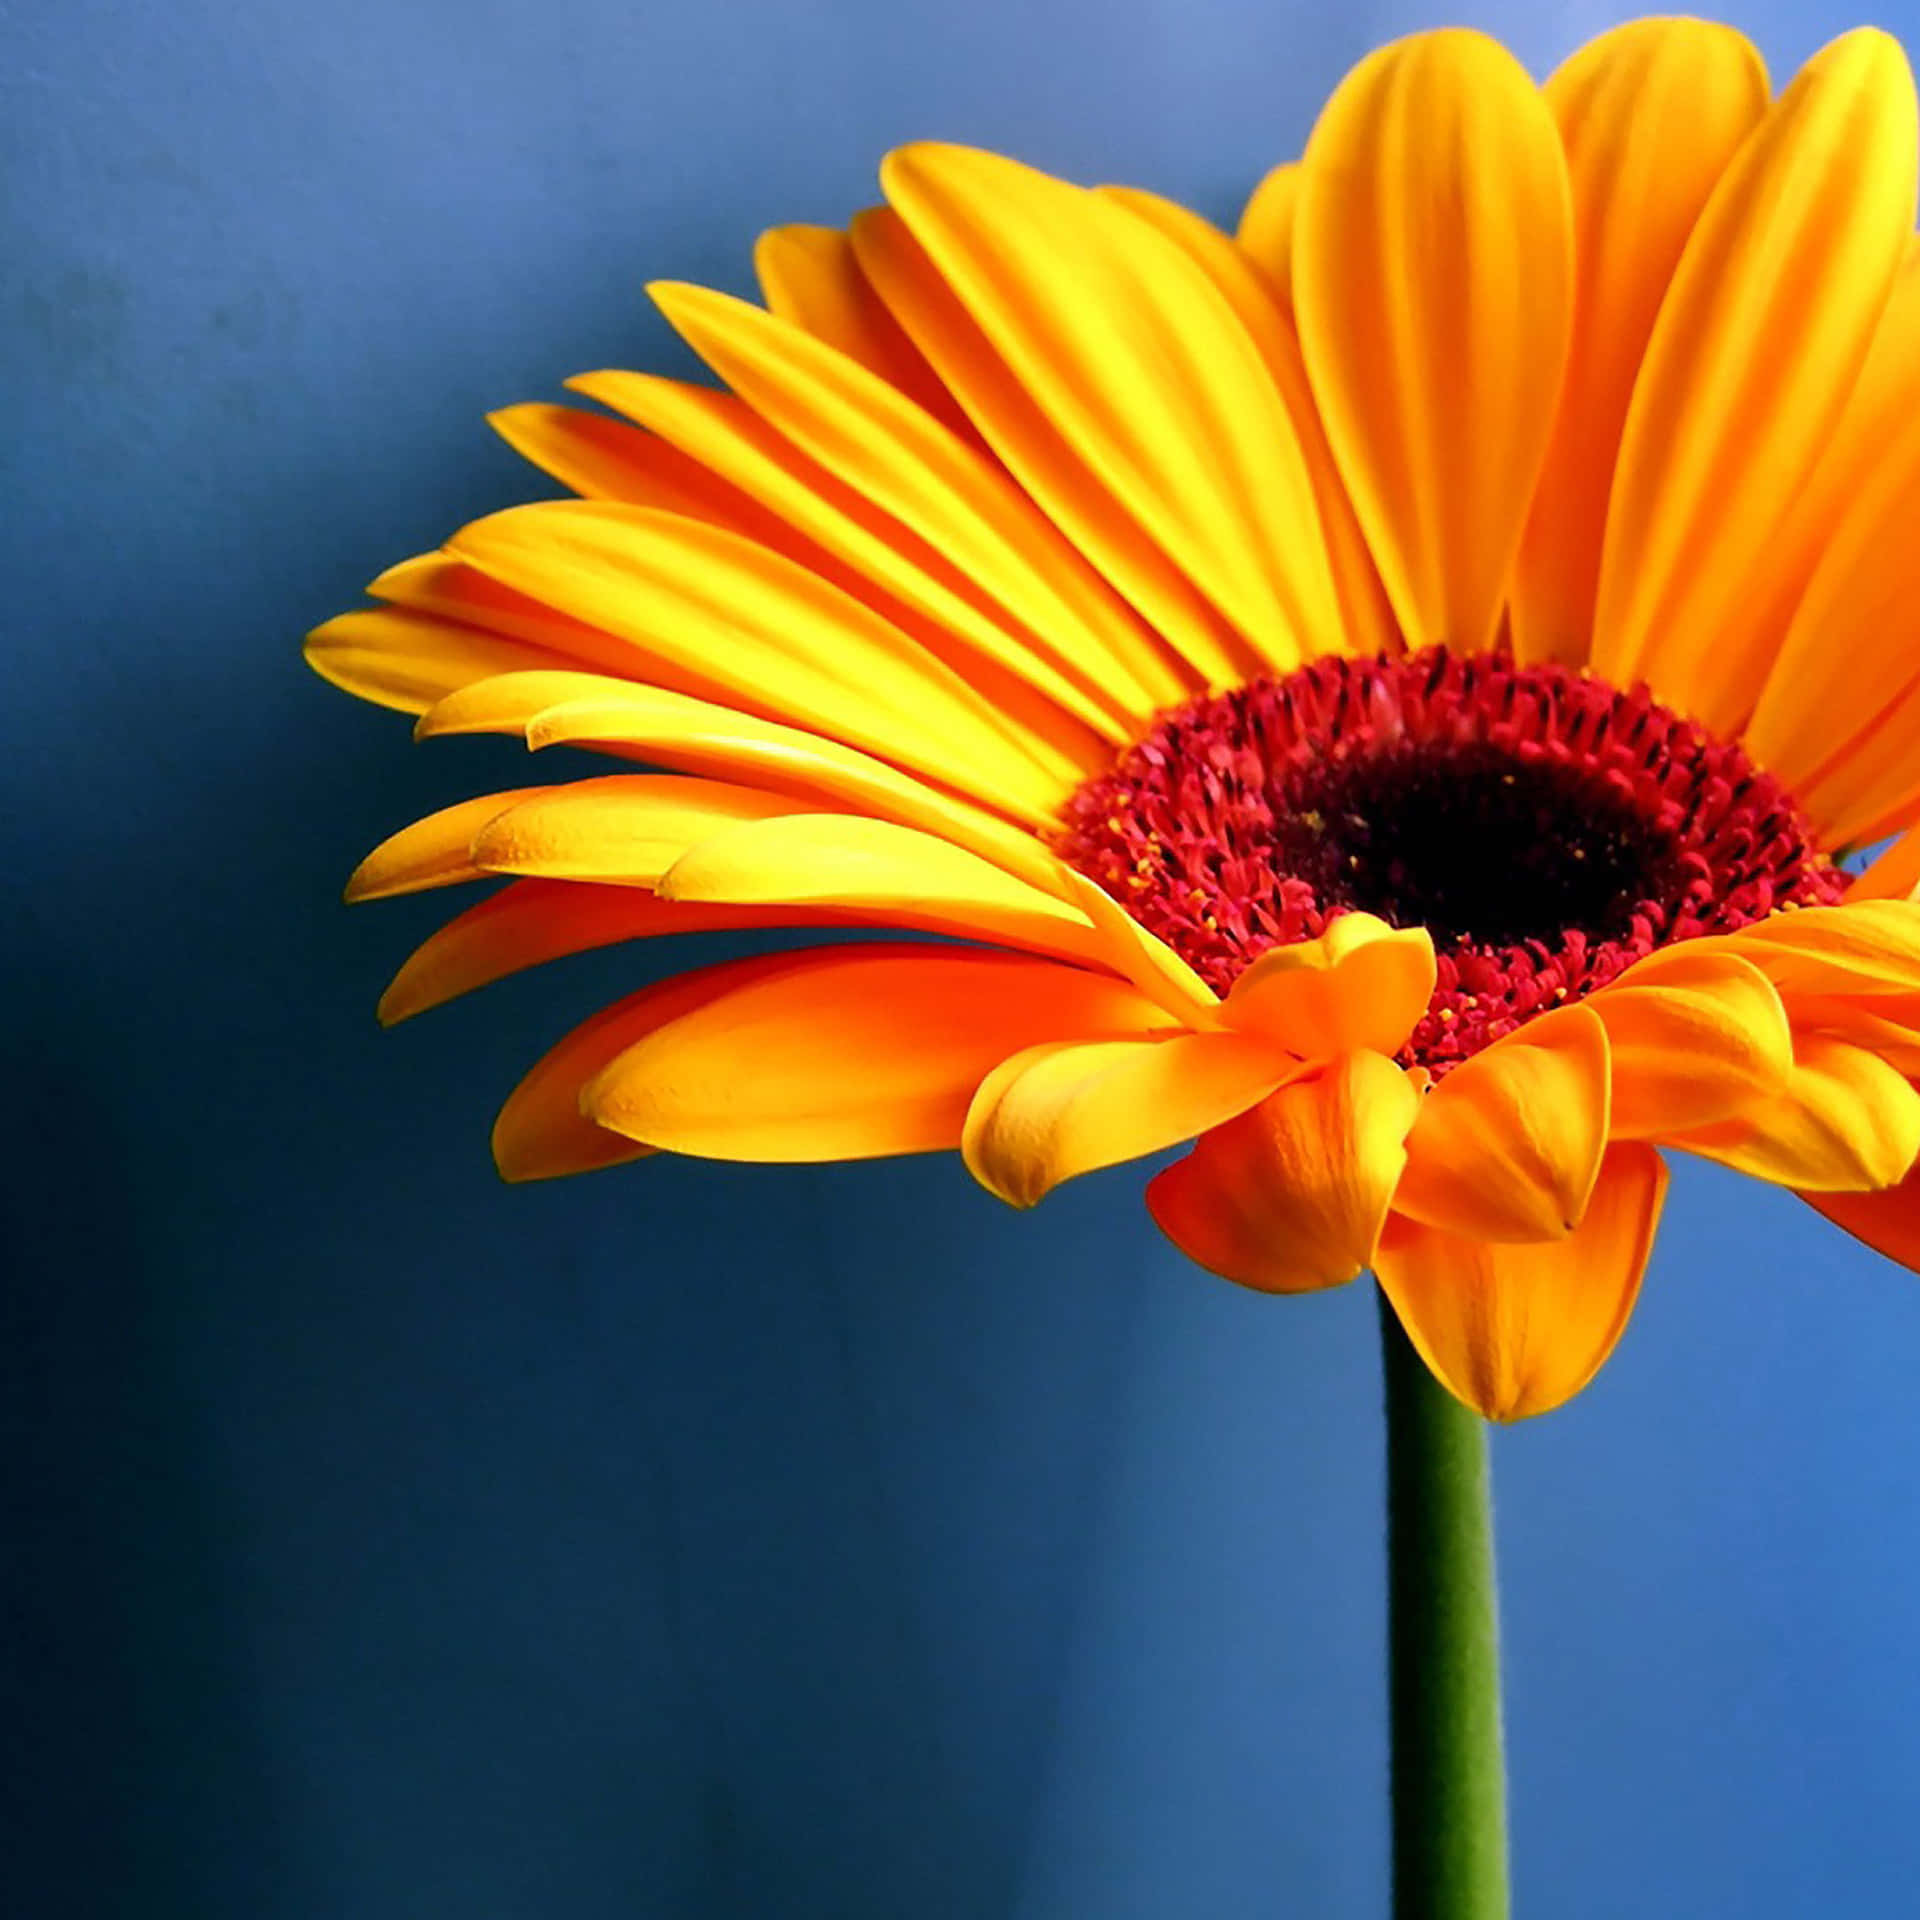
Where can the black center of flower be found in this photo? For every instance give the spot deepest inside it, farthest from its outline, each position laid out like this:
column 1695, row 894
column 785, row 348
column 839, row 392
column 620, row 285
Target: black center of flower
column 1472, row 844
column 1547, row 830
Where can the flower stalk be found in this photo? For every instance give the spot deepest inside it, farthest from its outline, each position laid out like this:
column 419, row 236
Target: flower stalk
column 1449, row 1773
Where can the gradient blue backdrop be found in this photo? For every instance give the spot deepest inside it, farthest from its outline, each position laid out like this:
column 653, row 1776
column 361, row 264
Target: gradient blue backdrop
column 692, row 1541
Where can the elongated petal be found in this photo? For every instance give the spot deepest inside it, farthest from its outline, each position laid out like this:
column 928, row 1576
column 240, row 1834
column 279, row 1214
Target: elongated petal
column 1367, row 622
column 1650, row 115
column 407, row 661
column 1692, row 1038
column 1772, row 309
column 1433, row 286
column 953, row 510
column 839, row 536
column 1266, row 228
column 773, row 636
column 602, row 459
column 1895, row 875
column 811, row 277
column 848, row 1052
column 1508, row 1145
column 1137, row 360
column 1067, row 1108
column 1845, row 1123
column 531, row 922
column 1049, row 464
column 1291, row 1196
column 1872, row 425
column 697, row 736
column 1864, row 947
column 436, row 851
column 1360, row 986
column 1887, row 1221
column 877, row 867
column 1519, row 1330
column 625, row 829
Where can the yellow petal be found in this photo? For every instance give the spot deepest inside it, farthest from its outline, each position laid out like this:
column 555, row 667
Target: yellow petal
column 1518, row 1330
column 1049, row 465
column 765, row 632
column 1361, row 985
column 1884, row 401
column 1149, row 962
column 625, row 829
column 848, row 1052
column 436, row 851
column 1508, row 1145
column 1887, row 1221
column 973, row 538
column 891, row 872
column 1367, row 622
column 1291, row 1196
column 1136, row 359
column 1870, row 946
column 600, row 459
column 1433, row 286
column 1266, row 228
column 1770, row 315
column 531, row 922
column 1066, row 1108
column 1692, row 1038
column 696, row 736
column 407, row 661
column 1650, row 114
column 811, row 278
column 840, row 537
column 1845, row 1122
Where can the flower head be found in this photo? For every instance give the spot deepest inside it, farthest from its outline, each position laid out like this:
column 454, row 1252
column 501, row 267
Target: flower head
column 1382, row 697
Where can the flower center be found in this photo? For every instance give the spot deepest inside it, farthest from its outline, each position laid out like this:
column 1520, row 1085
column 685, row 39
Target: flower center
column 1546, row 830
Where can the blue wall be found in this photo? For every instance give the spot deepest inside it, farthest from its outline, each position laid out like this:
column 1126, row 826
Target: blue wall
column 692, row 1541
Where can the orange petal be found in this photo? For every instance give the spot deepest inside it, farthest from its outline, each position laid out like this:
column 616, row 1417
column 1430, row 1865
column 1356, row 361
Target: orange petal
column 1361, row 986
column 1846, row 1122
column 625, row 829
column 1290, row 1196
column 1895, row 875
column 1137, row 360
column 407, row 661
column 766, row 632
column 1772, row 310
column 1650, row 115
column 1066, row 1108
column 1887, row 1221
column 889, row 872
column 848, row 1052
column 941, row 526
column 1518, row 1330
column 1863, row 947
column 1367, row 623
column 1692, row 1038
column 1882, row 405
column 1055, row 470
column 673, row 730
column 436, row 851
column 811, row 277
column 1508, row 1145
column 1266, row 228
column 530, row 922
column 602, row 459
column 1433, row 285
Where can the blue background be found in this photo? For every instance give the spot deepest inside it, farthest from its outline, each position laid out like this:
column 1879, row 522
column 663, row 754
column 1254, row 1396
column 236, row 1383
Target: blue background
column 691, row 1541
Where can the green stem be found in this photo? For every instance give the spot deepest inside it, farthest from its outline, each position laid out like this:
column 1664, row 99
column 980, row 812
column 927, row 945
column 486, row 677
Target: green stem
column 1449, row 1779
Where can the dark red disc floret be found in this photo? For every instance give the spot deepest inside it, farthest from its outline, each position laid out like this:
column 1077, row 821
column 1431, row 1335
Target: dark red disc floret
column 1546, row 829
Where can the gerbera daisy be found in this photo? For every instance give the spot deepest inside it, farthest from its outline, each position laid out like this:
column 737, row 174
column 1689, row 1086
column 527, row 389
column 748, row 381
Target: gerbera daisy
column 1384, row 697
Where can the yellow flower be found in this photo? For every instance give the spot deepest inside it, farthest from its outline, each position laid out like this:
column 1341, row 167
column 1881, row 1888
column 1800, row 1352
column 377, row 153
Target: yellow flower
column 1381, row 697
